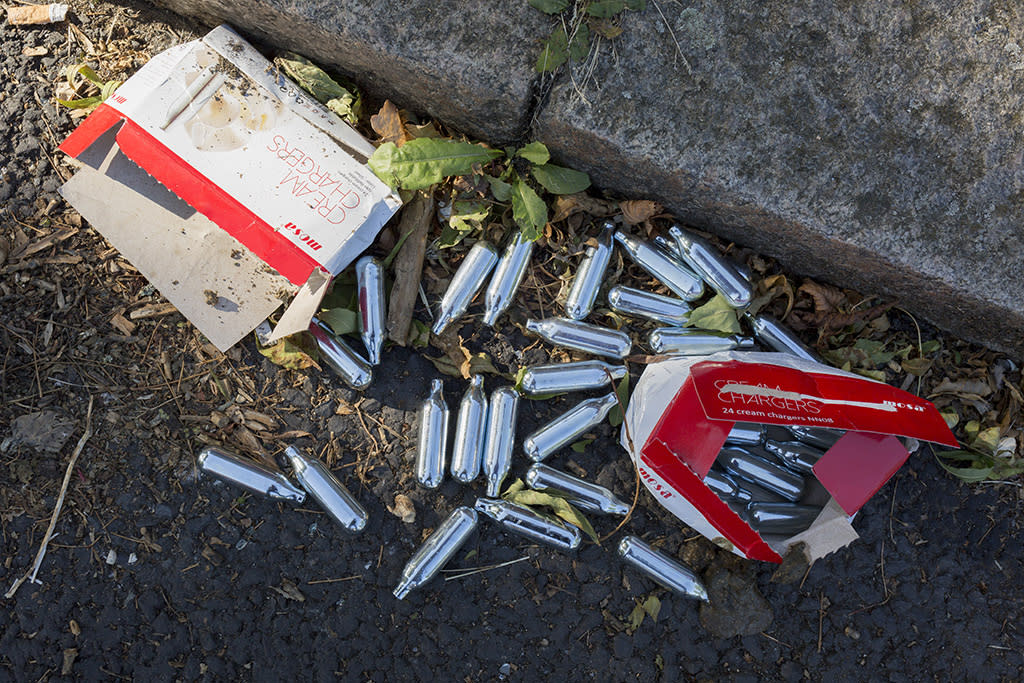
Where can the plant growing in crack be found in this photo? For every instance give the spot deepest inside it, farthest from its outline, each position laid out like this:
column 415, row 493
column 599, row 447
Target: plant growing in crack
column 578, row 22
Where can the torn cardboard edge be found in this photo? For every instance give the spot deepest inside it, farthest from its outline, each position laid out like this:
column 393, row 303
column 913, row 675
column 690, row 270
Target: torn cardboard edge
column 229, row 189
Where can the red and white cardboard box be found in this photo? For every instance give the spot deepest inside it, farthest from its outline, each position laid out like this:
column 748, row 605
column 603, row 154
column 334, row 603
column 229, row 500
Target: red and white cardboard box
column 683, row 407
column 227, row 187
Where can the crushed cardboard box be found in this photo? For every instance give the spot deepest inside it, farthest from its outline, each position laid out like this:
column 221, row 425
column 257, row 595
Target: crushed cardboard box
column 683, row 408
column 229, row 189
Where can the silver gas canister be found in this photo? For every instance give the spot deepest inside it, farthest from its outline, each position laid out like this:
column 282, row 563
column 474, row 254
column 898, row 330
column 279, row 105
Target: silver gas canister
column 437, row 550
column 692, row 342
column 501, row 435
column 249, row 474
column 783, row 519
column 662, row 265
column 465, row 284
column 590, row 275
column 580, row 492
column 339, row 356
column 507, row 277
column 716, row 270
column 726, row 488
column 819, row 437
column 764, row 473
column 797, row 456
column 778, row 337
column 470, row 432
column 568, row 426
column 557, row 378
column 642, row 304
column 746, row 433
column 324, row 487
column 663, row 569
column 522, row 520
column 370, row 283
column 432, row 444
column 600, row 341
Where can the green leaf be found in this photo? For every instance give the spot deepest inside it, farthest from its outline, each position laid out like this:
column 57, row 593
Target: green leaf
column 604, row 9
column 986, row 440
column 466, row 217
column 341, row 320
column 616, row 415
column 501, row 190
column 83, row 70
column 561, row 180
column 579, row 44
column 83, row 103
column 930, row 346
column 296, row 352
column 581, row 445
column 322, row 87
column 636, row 5
column 977, row 472
column 420, row 336
column 652, row 606
column 423, row 162
column 513, row 488
column 343, row 291
column 716, row 315
column 550, row 6
column 562, row 508
column 554, row 53
column 395, row 249
column 528, row 210
column 636, row 617
column 108, row 88
column 535, row 153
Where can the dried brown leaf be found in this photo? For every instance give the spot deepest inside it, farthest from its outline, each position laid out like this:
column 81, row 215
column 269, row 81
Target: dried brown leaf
column 388, row 124
column 826, row 298
column 636, row 211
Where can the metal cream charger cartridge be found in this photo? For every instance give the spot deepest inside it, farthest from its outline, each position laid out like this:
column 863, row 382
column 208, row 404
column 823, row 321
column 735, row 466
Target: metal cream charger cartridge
column 712, row 267
column 507, row 277
column 725, row 487
column 437, row 550
column 249, row 474
column 692, row 342
column 819, row 437
column 568, row 426
column 339, row 356
column 432, row 443
column 501, row 435
column 470, row 432
column 522, row 520
column 558, row 378
column 784, row 519
column 641, row 304
column 746, row 433
column 765, row 474
column 777, row 336
column 370, row 279
column 581, row 493
column 663, row 266
column 465, row 283
column 662, row 568
column 797, row 456
column 590, row 275
column 600, row 341
column 324, row 487
column 667, row 245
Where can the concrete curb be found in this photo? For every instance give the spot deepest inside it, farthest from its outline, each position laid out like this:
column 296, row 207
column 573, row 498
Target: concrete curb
column 877, row 149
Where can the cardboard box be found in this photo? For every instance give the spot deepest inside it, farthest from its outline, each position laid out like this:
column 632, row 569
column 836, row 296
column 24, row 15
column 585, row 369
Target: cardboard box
column 227, row 187
column 683, row 408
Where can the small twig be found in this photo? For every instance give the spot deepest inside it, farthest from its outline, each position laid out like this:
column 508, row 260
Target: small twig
column 482, row 569
column 31, row 576
column 679, row 50
column 634, row 456
column 343, row 578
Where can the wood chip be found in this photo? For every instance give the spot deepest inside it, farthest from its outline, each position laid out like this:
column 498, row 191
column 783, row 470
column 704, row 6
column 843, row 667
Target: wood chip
column 123, row 324
column 152, row 311
column 415, row 221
